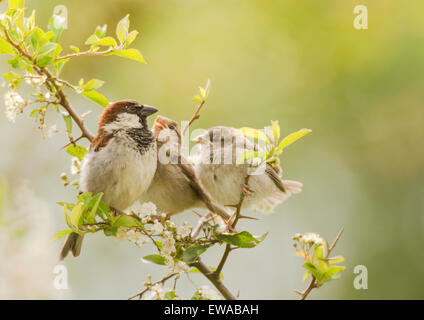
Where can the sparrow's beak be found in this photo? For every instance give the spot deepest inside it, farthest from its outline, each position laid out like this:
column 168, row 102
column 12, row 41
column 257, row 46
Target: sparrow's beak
column 160, row 124
column 148, row 110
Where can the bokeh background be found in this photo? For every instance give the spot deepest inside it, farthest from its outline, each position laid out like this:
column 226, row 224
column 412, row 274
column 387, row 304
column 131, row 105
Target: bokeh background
column 302, row 63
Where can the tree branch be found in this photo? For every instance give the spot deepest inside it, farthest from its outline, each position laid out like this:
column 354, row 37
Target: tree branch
column 49, row 83
column 214, row 279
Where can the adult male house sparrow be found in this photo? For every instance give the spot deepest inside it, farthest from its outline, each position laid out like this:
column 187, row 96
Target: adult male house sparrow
column 224, row 180
column 175, row 187
column 121, row 160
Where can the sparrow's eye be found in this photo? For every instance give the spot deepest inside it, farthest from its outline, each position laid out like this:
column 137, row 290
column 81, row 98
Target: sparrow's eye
column 171, row 127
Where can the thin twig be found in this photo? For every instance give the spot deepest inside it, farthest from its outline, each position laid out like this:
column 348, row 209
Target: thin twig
column 215, row 280
column 140, row 294
column 195, row 116
column 85, row 53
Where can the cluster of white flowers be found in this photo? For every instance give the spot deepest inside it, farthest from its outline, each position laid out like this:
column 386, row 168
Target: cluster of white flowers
column 309, row 238
column 15, row 104
column 157, row 292
column 208, row 293
column 184, row 230
column 35, row 81
column 132, row 235
column 75, row 166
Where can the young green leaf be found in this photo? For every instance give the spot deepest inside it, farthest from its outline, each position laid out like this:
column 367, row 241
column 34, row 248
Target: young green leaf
column 60, row 234
column 242, row 239
column 291, row 138
column 122, row 28
column 133, row 54
column 126, row 221
column 76, row 151
column 131, row 37
column 93, row 84
column 6, row 47
column 154, row 258
column 107, row 41
column 193, row 252
column 76, row 215
column 170, row 295
column 96, row 97
column 253, row 133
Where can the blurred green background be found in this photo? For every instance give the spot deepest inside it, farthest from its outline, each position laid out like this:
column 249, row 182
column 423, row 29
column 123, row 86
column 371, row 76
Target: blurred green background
column 302, row 63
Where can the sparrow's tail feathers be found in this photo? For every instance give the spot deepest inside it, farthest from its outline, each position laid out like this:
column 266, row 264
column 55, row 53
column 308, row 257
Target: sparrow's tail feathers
column 73, row 244
column 268, row 204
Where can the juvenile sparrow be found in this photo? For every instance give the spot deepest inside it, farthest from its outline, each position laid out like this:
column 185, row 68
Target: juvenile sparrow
column 121, row 160
column 224, row 180
column 175, row 187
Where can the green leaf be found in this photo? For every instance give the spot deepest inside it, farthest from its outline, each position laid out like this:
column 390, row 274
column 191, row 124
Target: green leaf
column 336, row 259
column 34, row 113
column 131, row 37
column 93, row 84
column 242, row 239
column 133, row 54
column 91, row 216
column 193, row 252
column 96, row 97
column 61, row 234
column 329, row 274
column 44, row 61
column 154, row 258
column 319, row 251
column 75, row 49
column 170, row 295
column 6, row 47
column 126, row 221
column 100, row 31
column 68, row 123
column 107, row 41
column 122, row 28
column 76, row 151
column 253, row 133
column 291, row 138
column 76, row 215
column 110, row 231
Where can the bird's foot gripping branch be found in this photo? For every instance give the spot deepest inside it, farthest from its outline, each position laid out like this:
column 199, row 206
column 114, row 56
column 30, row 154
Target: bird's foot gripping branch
column 36, row 59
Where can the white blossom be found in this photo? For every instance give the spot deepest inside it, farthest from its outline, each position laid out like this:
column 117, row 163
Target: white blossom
column 148, row 208
column 184, row 230
column 168, row 244
column 181, row 266
column 35, row 80
column 208, row 293
column 14, row 104
column 157, row 227
column 121, row 234
column 313, row 238
column 156, row 292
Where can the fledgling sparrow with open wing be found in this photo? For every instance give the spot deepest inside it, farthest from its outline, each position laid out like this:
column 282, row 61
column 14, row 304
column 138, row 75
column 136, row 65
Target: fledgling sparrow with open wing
column 175, row 187
column 220, row 175
column 121, row 160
